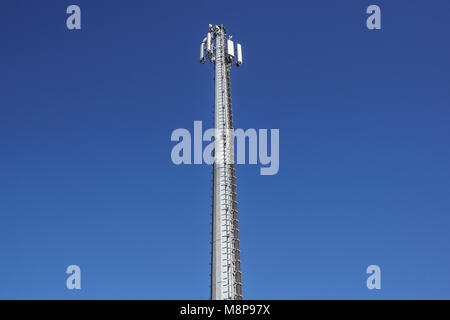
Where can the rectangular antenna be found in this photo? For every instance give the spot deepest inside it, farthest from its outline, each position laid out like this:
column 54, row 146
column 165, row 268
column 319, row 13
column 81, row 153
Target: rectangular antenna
column 230, row 48
column 239, row 54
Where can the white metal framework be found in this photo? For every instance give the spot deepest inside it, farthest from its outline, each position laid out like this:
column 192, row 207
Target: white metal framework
column 225, row 253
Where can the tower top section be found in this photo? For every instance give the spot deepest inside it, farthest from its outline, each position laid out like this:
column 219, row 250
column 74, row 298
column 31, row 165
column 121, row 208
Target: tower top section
column 208, row 46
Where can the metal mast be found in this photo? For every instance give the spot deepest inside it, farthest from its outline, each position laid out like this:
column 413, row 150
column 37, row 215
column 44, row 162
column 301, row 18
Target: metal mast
column 225, row 254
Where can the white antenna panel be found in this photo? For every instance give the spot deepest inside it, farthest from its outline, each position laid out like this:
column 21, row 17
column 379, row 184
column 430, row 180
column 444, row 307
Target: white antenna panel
column 239, row 54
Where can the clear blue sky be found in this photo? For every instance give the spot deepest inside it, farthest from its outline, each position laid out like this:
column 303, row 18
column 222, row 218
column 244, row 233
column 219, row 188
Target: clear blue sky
column 86, row 176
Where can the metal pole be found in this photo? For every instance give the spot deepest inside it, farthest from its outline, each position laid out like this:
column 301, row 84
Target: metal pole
column 225, row 253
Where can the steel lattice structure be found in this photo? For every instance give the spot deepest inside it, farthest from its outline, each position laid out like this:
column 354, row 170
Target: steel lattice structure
column 225, row 253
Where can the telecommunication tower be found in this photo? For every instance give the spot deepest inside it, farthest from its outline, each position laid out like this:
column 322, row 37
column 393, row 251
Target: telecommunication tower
column 225, row 253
